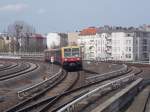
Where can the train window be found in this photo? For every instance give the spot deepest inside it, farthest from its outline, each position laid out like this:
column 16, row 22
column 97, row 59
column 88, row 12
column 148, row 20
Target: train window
column 75, row 49
column 75, row 52
column 67, row 52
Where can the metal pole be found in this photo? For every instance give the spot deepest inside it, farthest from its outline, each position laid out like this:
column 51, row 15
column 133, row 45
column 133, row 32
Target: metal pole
column 52, row 68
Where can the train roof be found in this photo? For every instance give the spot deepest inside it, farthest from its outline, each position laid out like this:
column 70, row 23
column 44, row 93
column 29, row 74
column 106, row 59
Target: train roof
column 62, row 48
column 71, row 47
column 52, row 49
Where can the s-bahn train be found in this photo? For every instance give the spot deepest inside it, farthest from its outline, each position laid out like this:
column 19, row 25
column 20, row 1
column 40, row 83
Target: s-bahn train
column 69, row 57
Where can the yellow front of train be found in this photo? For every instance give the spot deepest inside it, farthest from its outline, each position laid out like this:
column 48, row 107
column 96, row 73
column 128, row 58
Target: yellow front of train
column 71, row 58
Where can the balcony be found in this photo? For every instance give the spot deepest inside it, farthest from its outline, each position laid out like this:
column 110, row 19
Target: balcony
column 109, row 44
column 108, row 50
column 108, row 38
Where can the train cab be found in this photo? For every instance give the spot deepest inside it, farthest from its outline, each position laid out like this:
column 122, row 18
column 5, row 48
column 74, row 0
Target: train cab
column 71, row 57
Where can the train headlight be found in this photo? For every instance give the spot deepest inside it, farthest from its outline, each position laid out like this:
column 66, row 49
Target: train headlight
column 78, row 59
column 65, row 59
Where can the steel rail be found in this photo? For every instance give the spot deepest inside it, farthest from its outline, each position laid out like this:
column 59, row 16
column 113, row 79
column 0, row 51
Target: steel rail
column 39, row 85
column 27, row 70
column 112, row 72
column 52, row 98
column 28, row 100
column 99, row 89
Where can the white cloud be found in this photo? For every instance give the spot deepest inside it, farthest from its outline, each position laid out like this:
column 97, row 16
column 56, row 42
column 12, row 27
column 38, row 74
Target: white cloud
column 14, row 7
column 41, row 11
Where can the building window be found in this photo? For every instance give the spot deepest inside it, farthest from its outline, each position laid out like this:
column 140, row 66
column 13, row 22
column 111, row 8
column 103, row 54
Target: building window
column 144, row 48
column 129, row 49
column 126, row 49
column 128, row 55
column 128, row 35
column 7, row 38
column 144, row 41
column 145, row 55
column 91, row 40
column 128, row 41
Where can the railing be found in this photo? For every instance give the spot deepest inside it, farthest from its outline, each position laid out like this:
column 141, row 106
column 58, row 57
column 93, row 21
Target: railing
column 22, row 54
column 138, row 62
column 39, row 86
column 107, row 75
column 71, row 107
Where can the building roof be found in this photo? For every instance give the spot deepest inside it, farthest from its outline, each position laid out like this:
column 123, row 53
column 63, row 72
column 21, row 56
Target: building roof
column 89, row 31
column 38, row 36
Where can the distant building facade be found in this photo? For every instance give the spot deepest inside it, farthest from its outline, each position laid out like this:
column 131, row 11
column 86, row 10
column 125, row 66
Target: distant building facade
column 2, row 43
column 32, row 43
column 93, row 43
column 130, row 45
column 28, row 43
column 57, row 40
column 5, row 42
column 115, row 44
column 72, row 38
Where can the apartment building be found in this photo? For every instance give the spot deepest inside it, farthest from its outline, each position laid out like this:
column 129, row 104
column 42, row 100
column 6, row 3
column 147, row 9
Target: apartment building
column 56, row 40
column 115, row 44
column 5, row 42
column 72, row 38
column 130, row 45
column 94, row 44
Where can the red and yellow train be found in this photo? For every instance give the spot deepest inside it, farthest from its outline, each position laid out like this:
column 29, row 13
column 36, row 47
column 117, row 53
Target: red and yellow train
column 69, row 57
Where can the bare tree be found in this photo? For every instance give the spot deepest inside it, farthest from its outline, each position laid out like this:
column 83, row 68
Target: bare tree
column 21, row 31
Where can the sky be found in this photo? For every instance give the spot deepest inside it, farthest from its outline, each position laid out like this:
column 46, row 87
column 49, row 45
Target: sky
column 72, row 15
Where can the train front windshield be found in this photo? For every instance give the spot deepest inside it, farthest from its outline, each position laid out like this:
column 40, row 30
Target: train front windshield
column 74, row 52
column 67, row 52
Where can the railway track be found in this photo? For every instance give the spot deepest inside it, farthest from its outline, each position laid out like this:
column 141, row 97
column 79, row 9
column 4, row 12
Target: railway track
column 18, row 68
column 6, row 66
column 21, row 107
column 90, row 90
column 39, row 96
column 22, row 69
column 140, row 102
column 52, row 103
column 49, row 102
column 106, row 82
column 12, row 66
column 147, row 105
column 58, row 97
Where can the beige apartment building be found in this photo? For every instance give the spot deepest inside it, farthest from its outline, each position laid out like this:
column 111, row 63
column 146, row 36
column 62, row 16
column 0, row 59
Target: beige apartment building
column 72, row 38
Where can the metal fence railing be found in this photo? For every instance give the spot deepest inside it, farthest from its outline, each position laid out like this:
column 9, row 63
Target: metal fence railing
column 100, row 77
column 71, row 107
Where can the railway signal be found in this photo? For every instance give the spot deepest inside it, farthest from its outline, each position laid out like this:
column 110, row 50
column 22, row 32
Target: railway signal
column 52, row 61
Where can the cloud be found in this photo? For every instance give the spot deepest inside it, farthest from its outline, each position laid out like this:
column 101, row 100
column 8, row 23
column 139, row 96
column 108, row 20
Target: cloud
column 13, row 7
column 41, row 11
